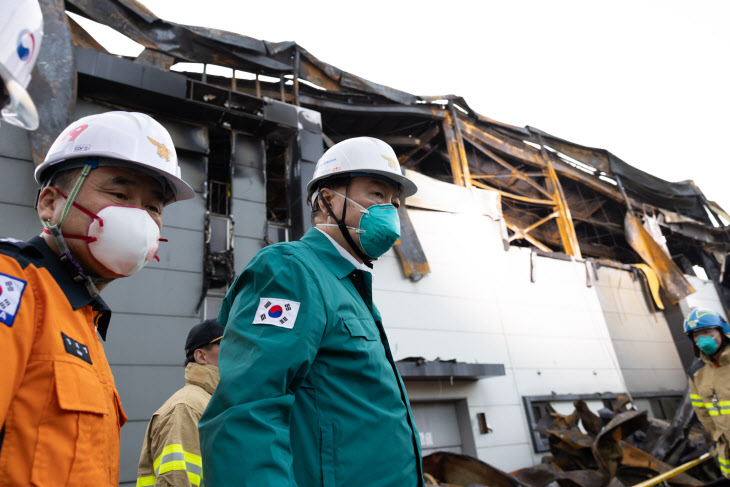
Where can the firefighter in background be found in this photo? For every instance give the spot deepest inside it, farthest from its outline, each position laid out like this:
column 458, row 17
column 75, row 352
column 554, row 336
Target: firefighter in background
column 709, row 378
column 21, row 33
column 105, row 181
column 309, row 392
column 171, row 450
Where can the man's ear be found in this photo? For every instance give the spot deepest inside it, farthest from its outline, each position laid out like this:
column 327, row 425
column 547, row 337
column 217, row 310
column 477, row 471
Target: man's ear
column 48, row 200
column 329, row 196
column 199, row 356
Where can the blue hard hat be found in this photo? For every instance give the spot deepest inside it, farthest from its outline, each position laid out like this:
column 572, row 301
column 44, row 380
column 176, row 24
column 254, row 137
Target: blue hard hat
column 704, row 318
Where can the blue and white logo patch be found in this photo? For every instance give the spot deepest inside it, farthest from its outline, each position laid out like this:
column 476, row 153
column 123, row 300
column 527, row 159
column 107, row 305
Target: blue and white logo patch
column 11, row 292
column 276, row 312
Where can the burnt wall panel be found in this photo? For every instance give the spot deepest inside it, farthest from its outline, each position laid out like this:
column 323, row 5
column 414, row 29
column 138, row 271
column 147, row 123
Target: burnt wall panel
column 248, row 198
column 193, row 168
column 244, row 250
column 249, row 151
column 249, row 218
column 250, row 183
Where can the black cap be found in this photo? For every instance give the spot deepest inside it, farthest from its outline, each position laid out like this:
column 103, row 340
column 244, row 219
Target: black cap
column 207, row 332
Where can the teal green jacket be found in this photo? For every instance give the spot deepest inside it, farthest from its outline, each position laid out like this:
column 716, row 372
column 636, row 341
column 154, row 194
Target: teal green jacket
column 309, row 393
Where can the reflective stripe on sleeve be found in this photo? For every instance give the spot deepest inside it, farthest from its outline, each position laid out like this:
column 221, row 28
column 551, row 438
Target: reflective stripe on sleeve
column 724, row 465
column 146, row 481
column 696, row 400
column 173, row 457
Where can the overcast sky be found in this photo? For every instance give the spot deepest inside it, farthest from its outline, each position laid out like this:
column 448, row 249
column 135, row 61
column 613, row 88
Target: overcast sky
column 647, row 80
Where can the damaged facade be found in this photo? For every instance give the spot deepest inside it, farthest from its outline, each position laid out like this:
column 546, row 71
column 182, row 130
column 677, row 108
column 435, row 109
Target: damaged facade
column 532, row 271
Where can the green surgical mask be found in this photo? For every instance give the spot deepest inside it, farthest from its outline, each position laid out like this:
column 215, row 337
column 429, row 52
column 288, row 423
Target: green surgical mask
column 379, row 227
column 707, row 344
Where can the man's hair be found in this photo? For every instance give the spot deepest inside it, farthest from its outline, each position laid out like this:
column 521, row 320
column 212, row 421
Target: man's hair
column 208, row 347
column 329, row 183
column 64, row 179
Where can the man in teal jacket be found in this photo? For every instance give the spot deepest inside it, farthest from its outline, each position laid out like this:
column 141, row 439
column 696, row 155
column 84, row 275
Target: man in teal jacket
column 309, row 393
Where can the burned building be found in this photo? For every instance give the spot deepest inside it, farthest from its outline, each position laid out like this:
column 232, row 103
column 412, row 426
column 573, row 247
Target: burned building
column 532, row 270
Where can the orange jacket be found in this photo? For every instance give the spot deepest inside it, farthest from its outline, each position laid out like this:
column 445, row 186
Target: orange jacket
column 59, row 408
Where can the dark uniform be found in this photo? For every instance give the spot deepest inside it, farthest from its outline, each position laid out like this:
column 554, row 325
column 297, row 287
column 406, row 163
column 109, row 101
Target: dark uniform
column 59, row 408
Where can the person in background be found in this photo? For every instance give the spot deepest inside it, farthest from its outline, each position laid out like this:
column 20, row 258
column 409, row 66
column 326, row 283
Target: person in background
column 709, row 378
column 171, row 450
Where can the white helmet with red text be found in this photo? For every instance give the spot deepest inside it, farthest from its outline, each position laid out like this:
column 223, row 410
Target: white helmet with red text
column 134, row 139
column 362, row 156
column 21, row 32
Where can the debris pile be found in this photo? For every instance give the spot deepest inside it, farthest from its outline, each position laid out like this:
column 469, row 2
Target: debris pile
column 616, row 448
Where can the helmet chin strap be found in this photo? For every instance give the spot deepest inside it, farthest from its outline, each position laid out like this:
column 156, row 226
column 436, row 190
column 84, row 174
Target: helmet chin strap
column 76, row 270
column 367, row 260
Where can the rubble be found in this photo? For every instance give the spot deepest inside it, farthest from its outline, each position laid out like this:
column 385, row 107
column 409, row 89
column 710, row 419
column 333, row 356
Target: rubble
column 618, row 448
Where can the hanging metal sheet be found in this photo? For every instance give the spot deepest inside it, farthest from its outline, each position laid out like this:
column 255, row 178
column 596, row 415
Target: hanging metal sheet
column 408, row 247
column 670, row 277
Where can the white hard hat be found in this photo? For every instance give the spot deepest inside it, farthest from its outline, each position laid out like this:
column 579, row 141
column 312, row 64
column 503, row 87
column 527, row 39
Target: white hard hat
column 135, row 138
column 21, row 32
column 364, row 155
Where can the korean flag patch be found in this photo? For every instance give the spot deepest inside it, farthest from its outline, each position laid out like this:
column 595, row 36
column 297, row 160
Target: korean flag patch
column 11, row 292
column 277, row 312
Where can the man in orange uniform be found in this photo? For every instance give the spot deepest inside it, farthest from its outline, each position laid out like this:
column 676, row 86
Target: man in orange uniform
column 104, row 184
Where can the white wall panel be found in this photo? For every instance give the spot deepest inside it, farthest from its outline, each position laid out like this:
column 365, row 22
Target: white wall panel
column 434, row 312
column 641, row 337
column 540, row 382
column 509, row 458
column 705, row 295
column 507, row 422
column 465, row 347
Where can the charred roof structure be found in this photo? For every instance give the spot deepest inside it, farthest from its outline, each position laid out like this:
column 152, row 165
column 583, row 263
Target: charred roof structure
column 556, row 195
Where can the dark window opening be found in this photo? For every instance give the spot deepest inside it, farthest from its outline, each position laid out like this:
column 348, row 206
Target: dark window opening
column 219, row 172
column 218, row 269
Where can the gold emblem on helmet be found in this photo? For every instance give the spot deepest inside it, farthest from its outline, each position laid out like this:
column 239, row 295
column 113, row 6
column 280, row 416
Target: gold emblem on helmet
column 162, row 150
column 391, row 162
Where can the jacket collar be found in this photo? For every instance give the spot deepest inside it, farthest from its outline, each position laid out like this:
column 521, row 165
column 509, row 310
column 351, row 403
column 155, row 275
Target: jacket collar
column 75, row 292
column 722, row 359
column 327, row 253
column 203, row 376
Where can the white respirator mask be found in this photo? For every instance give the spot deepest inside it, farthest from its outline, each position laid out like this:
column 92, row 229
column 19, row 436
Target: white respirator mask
column 121, row 238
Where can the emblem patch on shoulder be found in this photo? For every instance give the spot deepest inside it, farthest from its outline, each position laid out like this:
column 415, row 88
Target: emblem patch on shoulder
column 75, row 348
column 276, row 312
column 11, row 292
